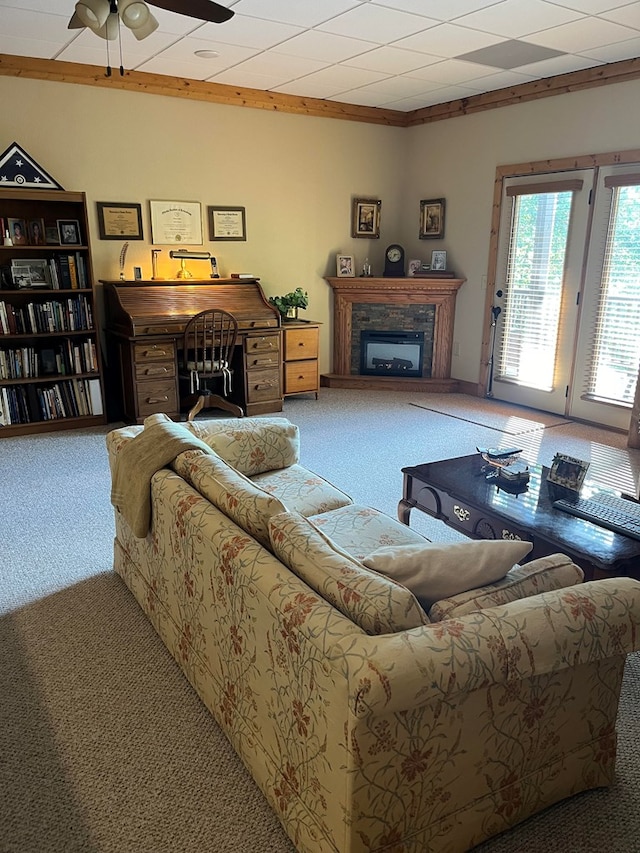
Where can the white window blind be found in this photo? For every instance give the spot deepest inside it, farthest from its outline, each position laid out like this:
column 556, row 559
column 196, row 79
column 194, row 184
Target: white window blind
column 613, row 366
column 535, row 265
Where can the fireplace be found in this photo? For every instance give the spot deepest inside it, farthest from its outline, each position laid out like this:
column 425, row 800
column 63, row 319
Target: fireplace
column 391, row 353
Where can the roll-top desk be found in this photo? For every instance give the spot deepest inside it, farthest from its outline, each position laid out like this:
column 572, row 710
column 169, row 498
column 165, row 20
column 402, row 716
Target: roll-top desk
column 145, row 321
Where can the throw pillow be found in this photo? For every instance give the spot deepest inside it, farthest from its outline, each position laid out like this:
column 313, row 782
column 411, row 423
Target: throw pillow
column 438, row 570
column 251, row 445
column 375, row 603
column 230, row 492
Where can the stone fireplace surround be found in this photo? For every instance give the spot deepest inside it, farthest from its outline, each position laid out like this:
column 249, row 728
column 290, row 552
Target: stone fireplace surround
column 398, row 294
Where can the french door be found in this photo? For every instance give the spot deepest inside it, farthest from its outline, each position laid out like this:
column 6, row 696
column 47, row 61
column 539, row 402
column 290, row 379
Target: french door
column 567, row 339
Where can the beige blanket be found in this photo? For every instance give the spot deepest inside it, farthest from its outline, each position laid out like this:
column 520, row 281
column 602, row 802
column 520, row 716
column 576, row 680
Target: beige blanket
column 159, row 443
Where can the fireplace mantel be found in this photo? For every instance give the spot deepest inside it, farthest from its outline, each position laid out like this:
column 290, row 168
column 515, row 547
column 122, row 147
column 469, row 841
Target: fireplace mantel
column 439, row 292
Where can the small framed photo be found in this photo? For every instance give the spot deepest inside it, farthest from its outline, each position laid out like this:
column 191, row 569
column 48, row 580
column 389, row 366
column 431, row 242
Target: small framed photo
column 432, row 219
column 36, row 232
column 414, row 268
column 438, row 260
column 17, row 231
column 119, row 220
column 365, row 218
column 567, row 471
column 227, row 223
column 345, row 266
column 69, row 231
column 51, row 236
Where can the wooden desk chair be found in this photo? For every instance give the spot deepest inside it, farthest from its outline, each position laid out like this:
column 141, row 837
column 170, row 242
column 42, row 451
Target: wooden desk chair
column 205, row 374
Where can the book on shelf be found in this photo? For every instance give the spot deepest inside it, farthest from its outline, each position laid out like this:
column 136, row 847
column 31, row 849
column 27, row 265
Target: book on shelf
column 95, row 396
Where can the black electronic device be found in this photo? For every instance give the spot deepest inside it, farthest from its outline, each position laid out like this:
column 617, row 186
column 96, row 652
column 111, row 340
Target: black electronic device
column 499, row 452
column 394, row 261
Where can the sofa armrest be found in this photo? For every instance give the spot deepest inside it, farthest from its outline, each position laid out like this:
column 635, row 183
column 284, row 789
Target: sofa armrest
column 545, row 574
column 526, row 638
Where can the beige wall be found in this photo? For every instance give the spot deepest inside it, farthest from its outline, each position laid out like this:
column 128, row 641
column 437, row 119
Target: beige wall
column 296, row 175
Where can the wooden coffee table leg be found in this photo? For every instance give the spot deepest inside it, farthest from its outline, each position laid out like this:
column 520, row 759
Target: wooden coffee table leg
column 404, row 511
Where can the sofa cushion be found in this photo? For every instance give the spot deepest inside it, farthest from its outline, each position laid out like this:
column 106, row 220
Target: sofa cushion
column 249, row 506
column 359, row 530
column 542, row 575
column 434, row 571
column 375, row 603
column 302, row 490
column 251, row 445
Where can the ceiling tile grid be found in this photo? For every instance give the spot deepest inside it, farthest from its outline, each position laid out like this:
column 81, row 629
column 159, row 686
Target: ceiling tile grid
column 395, row 54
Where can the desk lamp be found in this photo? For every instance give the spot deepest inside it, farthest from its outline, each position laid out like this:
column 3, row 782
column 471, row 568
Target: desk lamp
column 183, row 254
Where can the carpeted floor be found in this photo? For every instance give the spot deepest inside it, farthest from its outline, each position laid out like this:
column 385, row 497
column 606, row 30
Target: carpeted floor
column 105, row 748
column 502, row 417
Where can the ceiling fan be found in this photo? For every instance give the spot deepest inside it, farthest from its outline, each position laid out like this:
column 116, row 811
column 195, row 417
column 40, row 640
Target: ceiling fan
column 103, row 16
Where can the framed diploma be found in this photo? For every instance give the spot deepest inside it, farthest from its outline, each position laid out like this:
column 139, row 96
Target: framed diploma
column 227, row 223
column 119, row 220
column 176, row 223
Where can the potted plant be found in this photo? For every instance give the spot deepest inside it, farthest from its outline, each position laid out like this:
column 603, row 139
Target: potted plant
column 289, row 304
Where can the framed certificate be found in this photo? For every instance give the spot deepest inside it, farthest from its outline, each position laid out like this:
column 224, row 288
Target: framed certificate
column 119, row 220
column 176, row 223
column 227, row 223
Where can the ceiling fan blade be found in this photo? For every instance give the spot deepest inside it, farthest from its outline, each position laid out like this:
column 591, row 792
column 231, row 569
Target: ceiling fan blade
column 204, row 10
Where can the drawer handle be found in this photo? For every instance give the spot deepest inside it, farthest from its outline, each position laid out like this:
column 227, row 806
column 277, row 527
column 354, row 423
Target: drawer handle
column 155, row 352
column 155, row 371
column 300, row 343
column 261, row 386
column 460, row 513
column 157, row 399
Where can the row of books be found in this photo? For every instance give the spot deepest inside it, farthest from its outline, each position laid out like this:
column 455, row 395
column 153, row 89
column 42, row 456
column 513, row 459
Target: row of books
column 60, row 272
column 70, row 315
column 69, row 398
column 65, row 359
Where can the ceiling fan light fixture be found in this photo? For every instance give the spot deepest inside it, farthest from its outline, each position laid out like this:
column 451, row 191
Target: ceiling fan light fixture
column 93, row 13
column 136, row 16
column 109, row 31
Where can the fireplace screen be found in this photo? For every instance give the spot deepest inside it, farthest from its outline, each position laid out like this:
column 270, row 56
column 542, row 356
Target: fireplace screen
column 391, row 353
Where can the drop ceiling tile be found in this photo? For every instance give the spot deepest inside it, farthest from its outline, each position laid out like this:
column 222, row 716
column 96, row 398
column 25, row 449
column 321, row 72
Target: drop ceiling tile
column 283, row 67
column 53, row 7
column 249, row 32
column 441, row 10
column 582, row 35
column 173, row 67
column 430, row 99
column 239, row 77
column 501, row 80
column 563, row 64
column 391, row 60
column 510, row 53
column 592, row 7
column 41, row 27
column 342, row 79
column 615, row 52
column 400, row 87
column 517, row 18
column 90, row 49
column 451, row 71
column 318, row 45
column 628, row 16
column 447, row 40
column 308, row 88
column 376, row 24
column 38, row 48
column 230, row 54
column 293, row 11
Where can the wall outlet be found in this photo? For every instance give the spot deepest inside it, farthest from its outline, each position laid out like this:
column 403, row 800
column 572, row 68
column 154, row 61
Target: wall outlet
column 456, row 349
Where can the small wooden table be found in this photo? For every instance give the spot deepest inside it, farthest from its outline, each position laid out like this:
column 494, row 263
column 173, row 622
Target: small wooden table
column 457, row 492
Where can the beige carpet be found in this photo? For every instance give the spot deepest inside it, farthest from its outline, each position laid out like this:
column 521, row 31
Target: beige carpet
column 504, row 417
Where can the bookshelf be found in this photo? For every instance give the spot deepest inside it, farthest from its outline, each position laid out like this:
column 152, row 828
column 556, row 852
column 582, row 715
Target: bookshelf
column 50, row 360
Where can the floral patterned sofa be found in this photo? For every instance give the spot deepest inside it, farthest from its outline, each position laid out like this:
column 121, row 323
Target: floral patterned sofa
column 370, row 723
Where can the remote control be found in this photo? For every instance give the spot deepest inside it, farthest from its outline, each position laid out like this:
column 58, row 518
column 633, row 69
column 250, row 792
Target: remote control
column 499, row 453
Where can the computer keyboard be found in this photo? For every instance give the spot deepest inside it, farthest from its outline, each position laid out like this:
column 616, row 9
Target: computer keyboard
column 605, row 510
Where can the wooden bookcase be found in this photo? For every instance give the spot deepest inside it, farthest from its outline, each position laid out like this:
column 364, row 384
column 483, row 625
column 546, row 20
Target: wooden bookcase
column 50, row 360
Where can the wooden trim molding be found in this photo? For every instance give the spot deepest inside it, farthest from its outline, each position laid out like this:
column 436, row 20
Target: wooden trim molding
column 159, row 84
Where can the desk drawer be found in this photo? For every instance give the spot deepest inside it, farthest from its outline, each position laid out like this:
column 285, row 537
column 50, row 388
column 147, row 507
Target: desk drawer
column 165, row 351
column 271, row 358
column 262, row 344
column 300, row 344
column 156, row 396
column 263, row 385
column 154, row 369
column 300, row 376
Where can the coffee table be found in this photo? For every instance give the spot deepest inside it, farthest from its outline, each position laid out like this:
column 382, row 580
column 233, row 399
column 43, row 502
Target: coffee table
column 457, row 492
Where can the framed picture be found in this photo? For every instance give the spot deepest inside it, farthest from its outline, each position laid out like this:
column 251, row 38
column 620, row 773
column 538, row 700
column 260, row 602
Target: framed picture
column 17, row 231
column 345, row 266
column 567, row 471
column 365, row 218
column 119, row 220
column 176, row 223
column 227, row 223
column 35, row 228
column 438, row 260
column 69, row 231
column 414, row 267
column 30, row 272
column 51, row 236
column 431, row 219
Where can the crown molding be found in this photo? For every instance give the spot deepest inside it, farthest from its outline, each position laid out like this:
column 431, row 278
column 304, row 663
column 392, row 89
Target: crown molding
column 238, row 96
